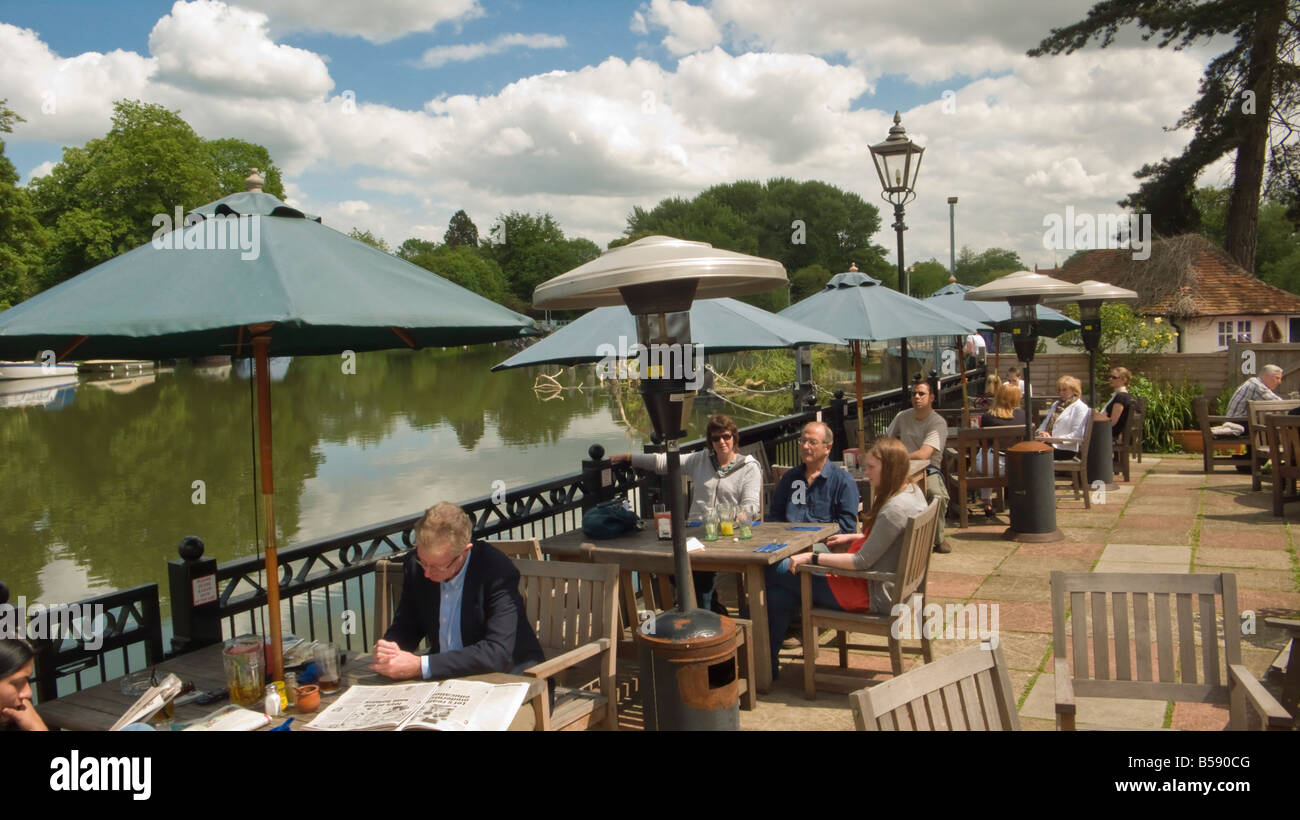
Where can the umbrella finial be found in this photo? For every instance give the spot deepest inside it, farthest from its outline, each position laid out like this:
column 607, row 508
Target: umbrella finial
column 853, row 267
column 254, row 180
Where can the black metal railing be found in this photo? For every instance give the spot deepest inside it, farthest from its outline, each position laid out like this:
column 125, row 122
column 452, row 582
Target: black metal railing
column 94, row 640
column 327, row 585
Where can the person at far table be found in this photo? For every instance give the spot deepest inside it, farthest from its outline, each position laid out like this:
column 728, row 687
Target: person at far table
column 894, row 502
column 719, row 475
column 463, row 598
column 1117, row 407
column 816, row 491
column 17, row 660
column 924, row 432
column 1067, row 419
column 1006, row 411
column 1256, row 388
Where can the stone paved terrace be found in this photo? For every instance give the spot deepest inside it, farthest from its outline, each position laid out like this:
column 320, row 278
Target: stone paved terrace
column 1170, row 518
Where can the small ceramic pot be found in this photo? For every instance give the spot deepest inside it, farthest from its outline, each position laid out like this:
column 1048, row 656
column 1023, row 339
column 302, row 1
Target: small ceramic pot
column 308, row 698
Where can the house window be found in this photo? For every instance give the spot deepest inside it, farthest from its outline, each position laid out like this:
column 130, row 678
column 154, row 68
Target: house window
column 1230, row 331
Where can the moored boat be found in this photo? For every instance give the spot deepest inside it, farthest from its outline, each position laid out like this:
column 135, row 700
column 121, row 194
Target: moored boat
column 35, row 370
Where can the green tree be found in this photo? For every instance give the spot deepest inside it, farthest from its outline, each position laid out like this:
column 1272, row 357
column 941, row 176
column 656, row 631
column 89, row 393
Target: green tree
column 413, row 247
column 800, row 224
column 231, row 159
column 370, row 239
column 461, row 230
column 978, row 268
column 1277, row 256
column 530, row 249
column 1244, row 91
column 100, row 199
column 926, row 277
column 22, row 238
column 808, row 280
column 464, row 266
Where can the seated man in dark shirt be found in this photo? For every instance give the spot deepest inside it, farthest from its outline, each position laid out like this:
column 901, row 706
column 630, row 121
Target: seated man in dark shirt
column 463, row 598
column 816, row 490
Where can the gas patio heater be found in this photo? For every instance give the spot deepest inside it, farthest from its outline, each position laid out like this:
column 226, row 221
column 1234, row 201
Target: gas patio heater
column 1030, row 484
column 898, row 162
column 1100, row 454
column 658, row 278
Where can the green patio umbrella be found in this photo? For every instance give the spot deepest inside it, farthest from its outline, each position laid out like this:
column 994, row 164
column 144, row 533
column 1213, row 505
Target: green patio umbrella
column 997, row 315
column 858, row 307
column 721, row 325
column 251, row 275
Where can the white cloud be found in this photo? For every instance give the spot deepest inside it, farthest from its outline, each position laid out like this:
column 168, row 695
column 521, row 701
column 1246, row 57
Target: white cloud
column 211, row 47
column 638, row 24
column 690, row 28
column 378, row 21
column 464, row 52
column 39, row 171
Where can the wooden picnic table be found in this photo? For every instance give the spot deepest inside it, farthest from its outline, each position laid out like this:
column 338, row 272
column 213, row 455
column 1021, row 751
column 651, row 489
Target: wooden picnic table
column 99, row 707
column 642, row 551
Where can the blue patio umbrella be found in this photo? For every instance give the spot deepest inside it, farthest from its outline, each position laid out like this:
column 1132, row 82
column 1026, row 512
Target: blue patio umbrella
column 859, row 308
column 720, row 325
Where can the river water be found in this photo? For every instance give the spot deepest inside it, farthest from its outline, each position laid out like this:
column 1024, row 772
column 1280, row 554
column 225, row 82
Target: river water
column 102, row 479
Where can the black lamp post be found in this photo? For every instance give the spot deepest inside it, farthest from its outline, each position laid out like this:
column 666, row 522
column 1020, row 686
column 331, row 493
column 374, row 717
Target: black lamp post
column 1030, row 482
column 898, row 161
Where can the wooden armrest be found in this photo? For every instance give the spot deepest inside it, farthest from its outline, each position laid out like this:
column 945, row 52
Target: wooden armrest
column 563, row 661
column 848, row 573
column 1283, row 623
column 1264, row 704
column 1064, row 688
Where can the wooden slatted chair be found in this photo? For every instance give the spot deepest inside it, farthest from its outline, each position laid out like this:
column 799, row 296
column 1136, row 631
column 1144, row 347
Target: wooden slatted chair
column 529, row 548
column 908, row 585
column 388, row 592
column 977, row 463
column 573, row 608
column 1257, row 429
column 1102, row 607
column 1283, row 437
column 1122, row 447
column 1077, row 467
column 1137, row 428
column 1209, row 444
column 967, row 691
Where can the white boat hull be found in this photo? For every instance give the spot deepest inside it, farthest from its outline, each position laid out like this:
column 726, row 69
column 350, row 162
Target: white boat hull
column 32, row 370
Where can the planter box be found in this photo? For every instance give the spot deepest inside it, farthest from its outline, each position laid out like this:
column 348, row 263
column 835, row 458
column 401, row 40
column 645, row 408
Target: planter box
column 1192, row 442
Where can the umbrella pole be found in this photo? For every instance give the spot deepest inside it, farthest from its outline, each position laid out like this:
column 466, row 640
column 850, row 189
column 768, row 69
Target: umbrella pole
column 857, row 373
column 274, row 660
column 965, row 403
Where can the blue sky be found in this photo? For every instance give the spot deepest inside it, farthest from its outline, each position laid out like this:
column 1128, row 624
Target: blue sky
column 587, row 109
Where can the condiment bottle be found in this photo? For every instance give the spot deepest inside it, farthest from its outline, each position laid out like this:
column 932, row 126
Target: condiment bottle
column 291, row 688
column 272, row 701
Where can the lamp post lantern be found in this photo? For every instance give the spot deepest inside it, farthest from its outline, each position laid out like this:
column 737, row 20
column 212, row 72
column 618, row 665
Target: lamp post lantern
column 1100, row 454
column 898, row 162
column 1030, row 482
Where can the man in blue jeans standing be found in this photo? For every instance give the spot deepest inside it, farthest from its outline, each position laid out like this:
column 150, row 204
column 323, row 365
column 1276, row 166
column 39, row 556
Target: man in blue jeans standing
column 815, row 491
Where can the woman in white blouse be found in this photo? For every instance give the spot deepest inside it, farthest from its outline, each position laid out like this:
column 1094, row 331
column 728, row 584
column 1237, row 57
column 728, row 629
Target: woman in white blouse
column 1066, row 419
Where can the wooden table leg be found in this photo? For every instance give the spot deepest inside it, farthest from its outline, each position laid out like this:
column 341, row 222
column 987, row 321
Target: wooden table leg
column 756, row 592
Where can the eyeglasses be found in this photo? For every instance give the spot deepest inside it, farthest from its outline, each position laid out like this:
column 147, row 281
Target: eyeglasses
column 720, row 437
column 916, row 393
column 814, row 441
column 424, row 565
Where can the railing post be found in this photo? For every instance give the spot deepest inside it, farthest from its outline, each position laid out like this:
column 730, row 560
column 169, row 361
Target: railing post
column 597, row 478
column 835, row 421
column 196, row 613
column 802, row 377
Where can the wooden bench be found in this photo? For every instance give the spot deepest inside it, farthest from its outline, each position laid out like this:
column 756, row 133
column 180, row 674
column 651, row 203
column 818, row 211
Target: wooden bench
column 1282, row 434
column 1257, row 429
column 1209, row 444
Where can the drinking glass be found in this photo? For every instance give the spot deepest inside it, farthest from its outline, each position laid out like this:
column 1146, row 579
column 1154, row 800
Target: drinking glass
column 711, row 522
column 726, row 519
column 744, row 521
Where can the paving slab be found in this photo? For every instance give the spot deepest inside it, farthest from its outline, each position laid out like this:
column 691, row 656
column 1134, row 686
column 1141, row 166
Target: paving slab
column 1097, row 517
column 1024, row 651
column 1147, row 554
column 1264, row 579
column 1016, row 587
column 1041, row 567
column 1022, row 616
column 964, row 563
column 1220, row 557
column 1062, row 549
column 1245, row 538
column 1269, row 603
column 1179, row 536
column 1134, row 566
column 1095, row 712
column 955, row 585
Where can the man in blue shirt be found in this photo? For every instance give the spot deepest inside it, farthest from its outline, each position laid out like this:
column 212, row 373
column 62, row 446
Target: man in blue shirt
column 816, row 491
column 461, row 597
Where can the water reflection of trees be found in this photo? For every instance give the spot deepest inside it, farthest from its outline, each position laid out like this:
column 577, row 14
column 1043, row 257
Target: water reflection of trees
column 107, row 480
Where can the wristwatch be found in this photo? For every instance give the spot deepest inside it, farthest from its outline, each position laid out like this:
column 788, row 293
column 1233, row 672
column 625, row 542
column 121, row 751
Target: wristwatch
column 816, row 559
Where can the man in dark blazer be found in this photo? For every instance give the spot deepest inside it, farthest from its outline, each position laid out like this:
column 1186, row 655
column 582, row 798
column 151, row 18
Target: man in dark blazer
column 487, row 632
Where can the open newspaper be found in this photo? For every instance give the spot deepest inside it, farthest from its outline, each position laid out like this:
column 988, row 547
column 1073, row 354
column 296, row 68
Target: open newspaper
column 447, row 706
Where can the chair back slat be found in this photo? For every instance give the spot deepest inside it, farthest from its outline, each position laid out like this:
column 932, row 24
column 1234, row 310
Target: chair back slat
column 1119, row 611
column 1186, row 637
column 1209, row 640
column 1142, row 634
column 1164, row 638
column 1100, row 642
column 918, row 540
